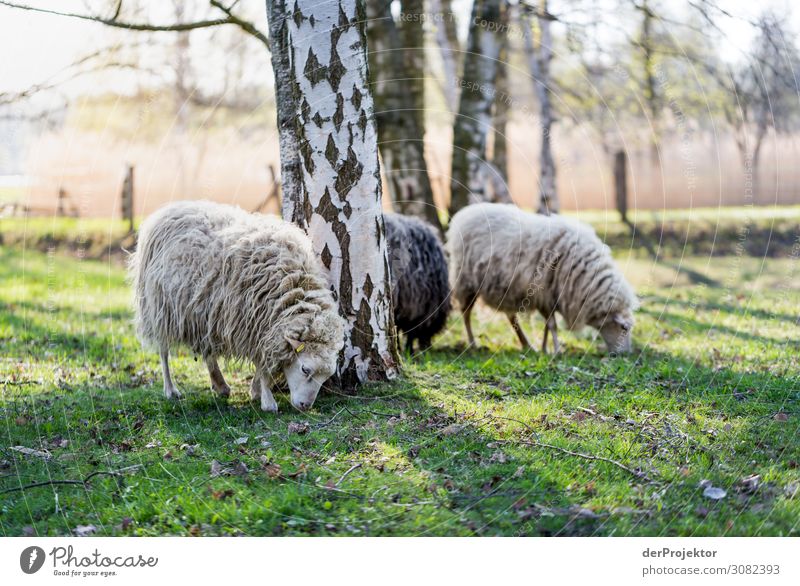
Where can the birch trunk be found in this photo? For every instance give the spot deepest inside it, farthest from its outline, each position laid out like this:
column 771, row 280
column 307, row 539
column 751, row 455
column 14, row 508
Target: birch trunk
column 397, row 75
column 337, row 197
column 469, row 181
column 449, row 48
column 539, row 56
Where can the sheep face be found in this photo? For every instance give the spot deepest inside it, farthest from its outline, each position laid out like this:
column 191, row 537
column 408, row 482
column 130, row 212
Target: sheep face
column 617, row 332
column 305, row 376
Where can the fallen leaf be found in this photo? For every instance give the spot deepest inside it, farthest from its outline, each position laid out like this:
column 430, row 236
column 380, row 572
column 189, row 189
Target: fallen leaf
column 84, row 530
column 221, row 495
column 31, row 452
column 714, row 493
column 298, row 427
column 750, row 484
column 498, row 458
column 781, row 417
column 273, row 470
column 240, row 441
column 452, row 429
column 189, row 448
column 231, row 469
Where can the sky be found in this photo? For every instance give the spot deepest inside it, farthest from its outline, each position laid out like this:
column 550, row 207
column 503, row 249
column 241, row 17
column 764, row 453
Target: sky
column 36, row 47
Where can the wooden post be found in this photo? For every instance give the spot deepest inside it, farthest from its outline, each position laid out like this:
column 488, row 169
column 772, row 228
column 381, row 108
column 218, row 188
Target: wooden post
column 621, row 184
column 127, row 198
column 61, row 211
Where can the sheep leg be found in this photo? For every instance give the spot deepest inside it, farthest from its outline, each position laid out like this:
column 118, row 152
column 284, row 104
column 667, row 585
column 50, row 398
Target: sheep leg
column 467, row 313
column 255, row 388
column 217, row 380
column 526, row 345
column 170, row 391
column 544, row 337
column 552, row 327
column 268, row 402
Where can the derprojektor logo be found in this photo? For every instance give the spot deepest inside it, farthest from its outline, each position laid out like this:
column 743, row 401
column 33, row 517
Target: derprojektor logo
column 31, row 559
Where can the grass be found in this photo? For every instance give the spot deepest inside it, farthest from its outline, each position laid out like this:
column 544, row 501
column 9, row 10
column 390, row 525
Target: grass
column 469, row 442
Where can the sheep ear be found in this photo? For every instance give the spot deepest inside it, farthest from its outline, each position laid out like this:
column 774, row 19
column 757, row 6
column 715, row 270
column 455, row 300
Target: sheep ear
column 621, row 321
column 296, row 344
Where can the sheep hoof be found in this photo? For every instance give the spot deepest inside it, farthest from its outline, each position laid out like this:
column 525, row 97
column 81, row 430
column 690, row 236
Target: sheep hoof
column 223, row 391
column 173, row 394
column 269, row 406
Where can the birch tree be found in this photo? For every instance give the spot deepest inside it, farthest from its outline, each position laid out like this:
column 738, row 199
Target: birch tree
column 469, row 171
column 397, row 70
column 446, row 37
column 540, row 54
column 325, row 112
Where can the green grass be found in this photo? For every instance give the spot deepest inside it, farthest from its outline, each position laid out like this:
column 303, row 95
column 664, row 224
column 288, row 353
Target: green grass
column 454, row 448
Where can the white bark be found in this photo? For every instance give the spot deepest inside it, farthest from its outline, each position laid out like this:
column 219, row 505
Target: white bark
column 338, row 198
column 469, row 179
column 447, row 40
column 539, row 56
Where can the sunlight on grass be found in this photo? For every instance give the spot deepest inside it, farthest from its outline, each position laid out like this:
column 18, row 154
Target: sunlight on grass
column 490, row 441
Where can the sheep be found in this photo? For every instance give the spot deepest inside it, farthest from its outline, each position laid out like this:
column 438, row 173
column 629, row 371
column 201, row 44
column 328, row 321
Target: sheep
column 420, row 289
column 518, row 261
column 227, row 283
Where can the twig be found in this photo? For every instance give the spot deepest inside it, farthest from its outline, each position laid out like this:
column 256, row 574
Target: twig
column 346, row 474
column 83, row 482
column 621, row 466
column 331, row 420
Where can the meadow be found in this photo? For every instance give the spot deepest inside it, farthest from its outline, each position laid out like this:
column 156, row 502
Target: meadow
column 694, row 433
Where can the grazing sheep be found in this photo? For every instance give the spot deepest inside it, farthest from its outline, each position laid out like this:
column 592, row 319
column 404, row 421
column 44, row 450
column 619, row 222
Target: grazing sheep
column 227, row 283
column 517, row 261
column 420, row 289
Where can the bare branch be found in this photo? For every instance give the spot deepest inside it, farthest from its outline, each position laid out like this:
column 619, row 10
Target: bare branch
column 134, row 26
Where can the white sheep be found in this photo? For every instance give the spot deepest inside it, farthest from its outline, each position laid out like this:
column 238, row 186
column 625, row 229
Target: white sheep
column 518, row 261
column 227, row 283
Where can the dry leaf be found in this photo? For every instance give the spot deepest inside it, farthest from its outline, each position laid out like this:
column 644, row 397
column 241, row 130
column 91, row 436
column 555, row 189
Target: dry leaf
column 452, row 429
column 298, row 427
column 31, row 452
column 781, row 417
column 273, row 470
column 714, row 493
column 84, row 530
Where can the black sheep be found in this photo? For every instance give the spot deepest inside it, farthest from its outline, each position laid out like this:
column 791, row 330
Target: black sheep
column 420, row 287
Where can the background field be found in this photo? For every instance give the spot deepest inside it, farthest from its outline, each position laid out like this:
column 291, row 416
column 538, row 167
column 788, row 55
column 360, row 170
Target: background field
column 470, row 442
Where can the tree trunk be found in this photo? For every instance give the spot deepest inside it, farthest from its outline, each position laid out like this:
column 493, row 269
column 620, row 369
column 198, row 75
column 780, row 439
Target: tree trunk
column 449, row 48
column 621, row 184
column 397, row 75
column 338, row 194
column 539, row 56
column 286, row 107
column 468, row 177
column 501, row 107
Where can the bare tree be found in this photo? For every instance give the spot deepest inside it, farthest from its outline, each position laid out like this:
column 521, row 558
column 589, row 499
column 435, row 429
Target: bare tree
column 468, row 182
column 764, row 93
column 319, row 52
column 398, row 83
column 540, row 53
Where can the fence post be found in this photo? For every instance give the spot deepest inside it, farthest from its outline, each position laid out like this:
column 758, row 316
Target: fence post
column 127, row 198
column 621, row 184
